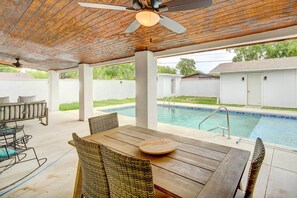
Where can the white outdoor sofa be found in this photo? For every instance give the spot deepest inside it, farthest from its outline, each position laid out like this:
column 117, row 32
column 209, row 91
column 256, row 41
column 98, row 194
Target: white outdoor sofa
column 13, row 112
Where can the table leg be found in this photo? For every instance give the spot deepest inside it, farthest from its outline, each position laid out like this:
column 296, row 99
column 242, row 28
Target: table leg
column 78, row 182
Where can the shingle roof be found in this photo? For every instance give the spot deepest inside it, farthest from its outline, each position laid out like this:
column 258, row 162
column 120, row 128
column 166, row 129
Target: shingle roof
column 199, row 75
column 258, row 65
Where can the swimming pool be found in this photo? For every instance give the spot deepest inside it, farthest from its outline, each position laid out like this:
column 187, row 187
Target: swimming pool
column 271, row 128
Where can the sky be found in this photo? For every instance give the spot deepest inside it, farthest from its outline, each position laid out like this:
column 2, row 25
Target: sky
column 205, row 61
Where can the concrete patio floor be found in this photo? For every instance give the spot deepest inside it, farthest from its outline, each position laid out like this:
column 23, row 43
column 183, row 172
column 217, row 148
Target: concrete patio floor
column 278, row 176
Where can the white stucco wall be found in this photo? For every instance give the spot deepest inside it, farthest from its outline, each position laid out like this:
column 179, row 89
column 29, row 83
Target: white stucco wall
column 279, row 90
column 24, row 87
column 164, row 85
column 113, row 89
column 69, row 89
column 196, row 87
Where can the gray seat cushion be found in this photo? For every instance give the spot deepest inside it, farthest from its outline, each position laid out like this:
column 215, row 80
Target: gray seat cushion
column 4, row 99
column 10, row 111
column 27, row 99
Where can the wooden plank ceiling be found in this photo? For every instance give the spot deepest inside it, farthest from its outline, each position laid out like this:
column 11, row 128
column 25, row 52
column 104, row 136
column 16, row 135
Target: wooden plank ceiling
column 59, row 34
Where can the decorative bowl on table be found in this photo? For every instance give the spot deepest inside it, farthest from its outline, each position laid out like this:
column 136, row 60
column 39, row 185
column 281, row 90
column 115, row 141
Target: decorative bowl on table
column 157, row 146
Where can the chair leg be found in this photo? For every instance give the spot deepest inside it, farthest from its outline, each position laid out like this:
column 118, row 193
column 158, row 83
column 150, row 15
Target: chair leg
column 46, row 118
column 36, row 156
column 78, row 183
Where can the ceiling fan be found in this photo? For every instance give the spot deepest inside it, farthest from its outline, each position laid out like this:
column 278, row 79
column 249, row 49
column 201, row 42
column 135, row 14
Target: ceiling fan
column 148, row 12
column 17, row 64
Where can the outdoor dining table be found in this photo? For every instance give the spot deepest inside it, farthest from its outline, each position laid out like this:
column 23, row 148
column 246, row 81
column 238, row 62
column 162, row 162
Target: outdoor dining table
column 195, row 169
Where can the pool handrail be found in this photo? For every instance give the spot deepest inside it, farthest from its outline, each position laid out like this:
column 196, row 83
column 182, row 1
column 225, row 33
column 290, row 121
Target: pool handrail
column 169, row 99
column 223, row 128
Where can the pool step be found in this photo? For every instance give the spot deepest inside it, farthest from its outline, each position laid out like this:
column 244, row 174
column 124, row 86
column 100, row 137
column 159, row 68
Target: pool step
column 219, row 127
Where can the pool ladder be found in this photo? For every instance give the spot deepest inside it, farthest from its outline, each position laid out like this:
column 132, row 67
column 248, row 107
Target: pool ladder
column 219, row 127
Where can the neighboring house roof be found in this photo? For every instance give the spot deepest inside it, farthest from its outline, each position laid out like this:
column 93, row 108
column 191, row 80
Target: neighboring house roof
column 171, row 75
column 258, row 65
column 199, row 75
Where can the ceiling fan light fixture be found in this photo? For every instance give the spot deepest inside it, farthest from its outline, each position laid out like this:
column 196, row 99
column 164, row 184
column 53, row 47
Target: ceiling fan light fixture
column 147, row 18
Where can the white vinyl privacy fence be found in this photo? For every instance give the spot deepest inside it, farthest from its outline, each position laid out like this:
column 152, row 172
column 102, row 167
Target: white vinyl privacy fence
column 68, row 90
column 203, row 88
column 105, row 89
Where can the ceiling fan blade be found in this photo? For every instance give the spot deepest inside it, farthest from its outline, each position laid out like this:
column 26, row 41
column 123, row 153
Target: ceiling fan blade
column 105, row 6
column 172, row 25
column 182, row 5
column 156, row 3
column 133, row 27
column 5, row 64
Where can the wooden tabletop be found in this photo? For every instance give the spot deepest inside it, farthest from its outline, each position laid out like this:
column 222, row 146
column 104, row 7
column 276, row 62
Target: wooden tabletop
column 195, row 169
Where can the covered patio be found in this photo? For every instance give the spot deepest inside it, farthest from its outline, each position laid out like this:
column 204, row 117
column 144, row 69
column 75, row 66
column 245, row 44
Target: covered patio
column 278, row 176
column 60, row 36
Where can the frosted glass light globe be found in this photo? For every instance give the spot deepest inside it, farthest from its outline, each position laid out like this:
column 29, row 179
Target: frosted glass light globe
column 147, row 18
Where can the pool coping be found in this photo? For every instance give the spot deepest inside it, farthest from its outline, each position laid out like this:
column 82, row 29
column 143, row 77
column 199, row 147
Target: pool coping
column 251, row 111
column 240, row 109
column 233, row 110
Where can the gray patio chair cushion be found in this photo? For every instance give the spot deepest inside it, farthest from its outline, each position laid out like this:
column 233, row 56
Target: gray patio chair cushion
column 27, row 99
column 4, row 99
column 16, row 112
column 35, row 109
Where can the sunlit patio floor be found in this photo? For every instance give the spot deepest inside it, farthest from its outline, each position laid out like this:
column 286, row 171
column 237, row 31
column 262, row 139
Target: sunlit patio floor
column 278, row 176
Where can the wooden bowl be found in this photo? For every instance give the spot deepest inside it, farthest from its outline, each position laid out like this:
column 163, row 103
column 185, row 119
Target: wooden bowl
column 157, row 146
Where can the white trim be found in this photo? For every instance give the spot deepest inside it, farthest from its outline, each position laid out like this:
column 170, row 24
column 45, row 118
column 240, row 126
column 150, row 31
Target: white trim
column 66, row 70
column 256, row 70
column 274, row 35
column 279, row 34
column 114, row 62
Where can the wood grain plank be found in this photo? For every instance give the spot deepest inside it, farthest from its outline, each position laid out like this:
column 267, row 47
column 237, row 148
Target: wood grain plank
column 27, row 15
column 214, row 13
column 180, row 187
column 33, row 16
column 226, row 178
column 193, row 149
column 12, row 13
column 186, row 157
column 194, row 142
column 183, row 169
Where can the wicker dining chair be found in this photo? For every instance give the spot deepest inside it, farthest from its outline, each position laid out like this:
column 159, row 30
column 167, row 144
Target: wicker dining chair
column 104, row 122
column 94, row 180
column 127, row 176
column 257, row 160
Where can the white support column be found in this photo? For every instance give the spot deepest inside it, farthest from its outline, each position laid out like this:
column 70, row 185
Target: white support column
column 85, row 92
column 146, row 89
column 53, row 103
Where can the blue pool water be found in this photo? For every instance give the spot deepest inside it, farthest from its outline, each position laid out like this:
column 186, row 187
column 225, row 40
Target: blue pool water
column 271, row 128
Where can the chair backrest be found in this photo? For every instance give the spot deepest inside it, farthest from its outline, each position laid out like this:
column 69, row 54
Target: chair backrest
column 127, row 176
column 11, row 112
column 257, row 160
column 35, row 109
column 104, row 122
column 94, row 178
